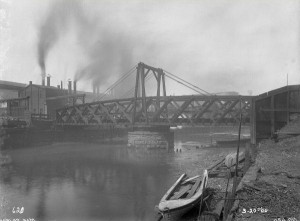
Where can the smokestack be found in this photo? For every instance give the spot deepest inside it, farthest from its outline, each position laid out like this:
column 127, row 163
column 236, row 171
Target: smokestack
column 48, row 81
column 75, row 86
column 61, row 85
column 94, row 89
column 70, row 87
column 43, row 77
column 97, row 89
column 30, row 82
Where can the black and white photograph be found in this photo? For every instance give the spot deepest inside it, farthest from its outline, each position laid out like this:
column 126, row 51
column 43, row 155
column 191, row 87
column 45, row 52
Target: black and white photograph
column 148, row 110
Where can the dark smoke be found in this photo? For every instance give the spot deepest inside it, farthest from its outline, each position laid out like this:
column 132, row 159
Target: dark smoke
column 109, row 55
column 56, row 23
column 108, row 51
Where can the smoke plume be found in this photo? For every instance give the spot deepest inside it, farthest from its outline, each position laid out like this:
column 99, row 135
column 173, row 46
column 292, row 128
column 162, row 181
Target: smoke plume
column 109, row 55
column 107, row 51
column 55, row 24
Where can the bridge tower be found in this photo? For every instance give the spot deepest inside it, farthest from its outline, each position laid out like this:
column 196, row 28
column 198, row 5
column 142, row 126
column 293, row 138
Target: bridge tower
column 142, row 72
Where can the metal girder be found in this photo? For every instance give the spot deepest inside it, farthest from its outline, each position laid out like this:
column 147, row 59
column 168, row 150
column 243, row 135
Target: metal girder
column 92, row 114
column 207, row 105
column 162, row 108
column 195, row 110
column 159, row 109
column 123, row 110
column 228, row 109
column 142, row 112
column 181, row 110
column 78, row 111
column 163, row 115
column 107, row 113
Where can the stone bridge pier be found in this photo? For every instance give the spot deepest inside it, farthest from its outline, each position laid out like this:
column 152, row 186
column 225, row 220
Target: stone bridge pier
column 151, row 137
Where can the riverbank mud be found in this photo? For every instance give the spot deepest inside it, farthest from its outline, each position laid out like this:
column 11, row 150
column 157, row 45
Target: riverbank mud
column 273, row 193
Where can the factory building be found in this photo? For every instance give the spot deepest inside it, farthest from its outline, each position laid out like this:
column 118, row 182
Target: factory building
column 38, row 102
column 41, row 101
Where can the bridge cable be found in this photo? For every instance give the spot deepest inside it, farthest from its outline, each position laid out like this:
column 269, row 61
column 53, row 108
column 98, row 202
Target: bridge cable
column 187, row 82
column 216, row 97
column 133, row 88
column 120, row 80
column 184, row 84
column 127, row 74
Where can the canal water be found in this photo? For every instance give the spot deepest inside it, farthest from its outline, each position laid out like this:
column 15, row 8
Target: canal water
column 89, row 182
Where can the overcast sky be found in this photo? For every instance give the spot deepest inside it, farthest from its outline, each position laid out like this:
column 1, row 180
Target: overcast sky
column 218, row 45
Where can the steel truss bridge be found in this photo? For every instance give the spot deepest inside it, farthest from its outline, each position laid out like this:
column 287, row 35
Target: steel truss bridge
column 202, row 109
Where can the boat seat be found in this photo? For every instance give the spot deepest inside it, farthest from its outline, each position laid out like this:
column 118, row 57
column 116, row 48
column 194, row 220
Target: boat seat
column 194, row 188
column 181, row 192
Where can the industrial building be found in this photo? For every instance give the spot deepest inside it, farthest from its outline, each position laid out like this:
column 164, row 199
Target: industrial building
column 41, row 101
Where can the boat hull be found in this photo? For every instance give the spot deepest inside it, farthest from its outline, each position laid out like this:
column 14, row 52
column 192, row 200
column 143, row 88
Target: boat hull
column 176, row 214
column 174, row 208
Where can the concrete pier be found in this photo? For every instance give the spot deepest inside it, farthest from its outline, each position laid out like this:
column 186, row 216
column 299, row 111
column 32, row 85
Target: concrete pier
column 151, row 138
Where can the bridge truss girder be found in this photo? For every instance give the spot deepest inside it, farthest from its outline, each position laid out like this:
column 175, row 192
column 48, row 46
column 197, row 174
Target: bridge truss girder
column 168, row 110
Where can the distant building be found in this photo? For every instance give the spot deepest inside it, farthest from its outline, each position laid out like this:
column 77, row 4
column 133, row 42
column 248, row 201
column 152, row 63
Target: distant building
column 38, row 94
column 40, row 101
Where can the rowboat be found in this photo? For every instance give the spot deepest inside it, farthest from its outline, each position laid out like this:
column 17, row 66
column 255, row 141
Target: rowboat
column 184, row 194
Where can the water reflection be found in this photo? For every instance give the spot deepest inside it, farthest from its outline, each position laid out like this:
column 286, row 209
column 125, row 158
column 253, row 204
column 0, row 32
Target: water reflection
column 85, row 181
column 73, row 181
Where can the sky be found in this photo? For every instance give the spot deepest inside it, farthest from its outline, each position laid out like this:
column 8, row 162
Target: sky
column 249, row 46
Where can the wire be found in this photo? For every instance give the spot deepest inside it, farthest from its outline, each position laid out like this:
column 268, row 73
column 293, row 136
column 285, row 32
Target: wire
column 120, row 80
column 123, row 77
column 187, row 82
column 166, row 73
column 133, row 88
column 185, row 85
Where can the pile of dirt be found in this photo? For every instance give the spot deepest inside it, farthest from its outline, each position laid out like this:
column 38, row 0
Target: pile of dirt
column 293, row 128
column 277, row 187
column 270, row 201
column 281, row 157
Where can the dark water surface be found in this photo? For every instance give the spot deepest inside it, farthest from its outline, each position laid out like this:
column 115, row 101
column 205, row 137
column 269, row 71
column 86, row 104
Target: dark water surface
column 87, row 182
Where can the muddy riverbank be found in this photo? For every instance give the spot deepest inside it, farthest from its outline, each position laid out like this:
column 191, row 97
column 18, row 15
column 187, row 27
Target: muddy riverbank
column 275, row 189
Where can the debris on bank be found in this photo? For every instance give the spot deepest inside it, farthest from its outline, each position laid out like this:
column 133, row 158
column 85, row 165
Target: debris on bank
column 291, row 129
column 273, row 189
column 270, row 189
